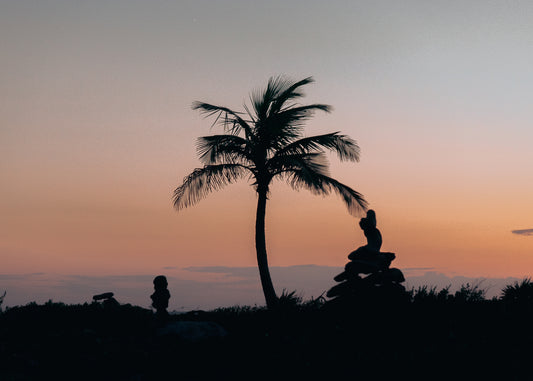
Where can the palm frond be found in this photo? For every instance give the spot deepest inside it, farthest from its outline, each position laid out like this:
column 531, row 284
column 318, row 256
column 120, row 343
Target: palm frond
column 204, row 180
column 345, row 147
column 250, row 115
column 296, row 115
column 285, row 126
column 323, row 185
column 280, row 129
column 271, row 100
column 229, row 119
column 311, row 161
column 262, row 99
column 217, row 149
column 290, row 93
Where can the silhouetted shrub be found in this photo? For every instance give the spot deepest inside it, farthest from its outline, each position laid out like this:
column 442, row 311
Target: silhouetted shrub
column 237, row 310
column 425, row 294
column 2, row 300
column 289, row 300
column 55, row 341
column 470, row 293
column 519, row 292
column 466, row 294
column 313, row 303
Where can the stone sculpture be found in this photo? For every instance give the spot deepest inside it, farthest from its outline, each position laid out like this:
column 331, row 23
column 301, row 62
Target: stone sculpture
column 368, row 273
column 161, row 295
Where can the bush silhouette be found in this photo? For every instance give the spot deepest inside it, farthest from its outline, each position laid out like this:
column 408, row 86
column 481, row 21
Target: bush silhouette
column 519, row 292
column 2, row 300
column 426, row 294
column 306, row 340
column 470, row 293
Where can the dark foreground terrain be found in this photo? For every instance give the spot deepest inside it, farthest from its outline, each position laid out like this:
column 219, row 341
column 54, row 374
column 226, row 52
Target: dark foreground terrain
column 427, row 336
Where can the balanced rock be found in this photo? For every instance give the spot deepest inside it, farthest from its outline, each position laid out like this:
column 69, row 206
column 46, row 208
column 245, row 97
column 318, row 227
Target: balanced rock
column 107, row 300
column 369, row 268
column 105, row 295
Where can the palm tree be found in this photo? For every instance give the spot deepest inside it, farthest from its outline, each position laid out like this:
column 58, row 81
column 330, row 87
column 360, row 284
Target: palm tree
column 265, row 144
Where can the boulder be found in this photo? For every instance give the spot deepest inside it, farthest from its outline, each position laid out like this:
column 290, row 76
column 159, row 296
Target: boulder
column 382, row 260
column 342, row 288
column 361, row 267
column 105, row 295
column 394, row 275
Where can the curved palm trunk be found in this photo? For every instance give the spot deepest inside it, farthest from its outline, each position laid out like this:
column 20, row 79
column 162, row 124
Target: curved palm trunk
column 260, row 246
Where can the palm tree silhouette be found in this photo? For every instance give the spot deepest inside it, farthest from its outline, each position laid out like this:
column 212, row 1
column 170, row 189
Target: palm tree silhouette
column 265, row 144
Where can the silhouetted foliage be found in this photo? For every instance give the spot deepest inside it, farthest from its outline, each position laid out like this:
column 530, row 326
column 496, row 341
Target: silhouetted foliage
column 470, row 293
column 2, row 300
column 289, row 300
column 467, row 293
column 304, row 341
column 437, row 335
column 265, row 143
column 429, row 295
column 519, row 292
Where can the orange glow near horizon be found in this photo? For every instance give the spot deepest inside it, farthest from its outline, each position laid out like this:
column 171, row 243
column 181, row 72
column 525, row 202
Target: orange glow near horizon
column 97, row 130
column 301, row 229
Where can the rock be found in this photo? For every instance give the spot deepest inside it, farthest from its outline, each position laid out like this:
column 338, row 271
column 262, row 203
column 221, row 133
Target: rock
column 394, row 275
column 193, row 331
column 161, row 295
column 361, row 267
column 362, row 253
column 374, row 279
column 382, row 260
column 380, row 283
column 110, row 303
column 107, row 300
column 341, row 277
column 340, row 289
column 105, row 295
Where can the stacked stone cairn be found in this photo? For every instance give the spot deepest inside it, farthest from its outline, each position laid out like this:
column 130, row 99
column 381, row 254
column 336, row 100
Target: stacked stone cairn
column 368, row 275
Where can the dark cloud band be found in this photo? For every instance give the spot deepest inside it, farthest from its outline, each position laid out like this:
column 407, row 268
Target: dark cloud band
column 523, row 232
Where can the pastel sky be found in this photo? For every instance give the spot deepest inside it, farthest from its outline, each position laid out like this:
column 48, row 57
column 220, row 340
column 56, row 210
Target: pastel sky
column 96, row 130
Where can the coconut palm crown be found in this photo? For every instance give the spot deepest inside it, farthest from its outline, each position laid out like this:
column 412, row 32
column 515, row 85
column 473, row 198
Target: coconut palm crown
column 264, row 143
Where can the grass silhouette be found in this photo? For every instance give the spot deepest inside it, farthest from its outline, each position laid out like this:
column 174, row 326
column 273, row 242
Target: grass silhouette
column 432, row 334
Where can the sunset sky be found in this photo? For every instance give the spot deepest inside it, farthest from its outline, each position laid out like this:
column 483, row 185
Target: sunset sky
column 96, row 130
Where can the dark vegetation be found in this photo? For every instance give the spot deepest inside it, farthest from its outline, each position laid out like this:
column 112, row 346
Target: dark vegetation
column 430, row 334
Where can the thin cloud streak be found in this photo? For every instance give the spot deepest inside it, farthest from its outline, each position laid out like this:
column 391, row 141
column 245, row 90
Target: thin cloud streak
column 526, row 232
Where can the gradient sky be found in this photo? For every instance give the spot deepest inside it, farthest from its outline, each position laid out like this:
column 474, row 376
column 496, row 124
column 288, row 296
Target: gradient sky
column 96, row 130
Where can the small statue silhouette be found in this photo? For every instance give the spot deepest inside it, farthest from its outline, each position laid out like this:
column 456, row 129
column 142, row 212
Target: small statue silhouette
column 373, row 239
column 161, row 295
column 372, row 234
